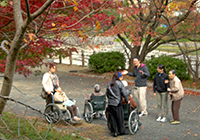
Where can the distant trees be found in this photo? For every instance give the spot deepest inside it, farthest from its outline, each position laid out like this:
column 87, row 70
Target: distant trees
column 147, row 21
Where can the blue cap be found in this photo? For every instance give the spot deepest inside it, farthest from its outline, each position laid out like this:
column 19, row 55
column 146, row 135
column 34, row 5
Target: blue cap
column 120, row 75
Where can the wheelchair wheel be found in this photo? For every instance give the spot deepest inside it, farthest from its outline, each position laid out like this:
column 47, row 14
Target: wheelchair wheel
column 104, row 115
column 88, row 113
column 53, row 112
column 133, row 122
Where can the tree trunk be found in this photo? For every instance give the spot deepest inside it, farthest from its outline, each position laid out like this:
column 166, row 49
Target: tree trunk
column 10, row 69
column 134, row 52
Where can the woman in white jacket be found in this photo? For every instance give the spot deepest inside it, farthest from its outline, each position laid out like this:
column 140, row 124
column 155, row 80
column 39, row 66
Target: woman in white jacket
column 49, row 81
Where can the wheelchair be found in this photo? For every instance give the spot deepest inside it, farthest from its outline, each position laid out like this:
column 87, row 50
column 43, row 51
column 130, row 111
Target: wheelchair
column 131, row 116
column 57, row 111
column 96, row 106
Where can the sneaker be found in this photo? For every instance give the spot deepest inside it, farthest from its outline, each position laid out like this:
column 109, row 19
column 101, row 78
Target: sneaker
column 158, row 119
column 163, row 119
column 76, row 119
column 143, row 115
column 175, row 122
column 172, row 120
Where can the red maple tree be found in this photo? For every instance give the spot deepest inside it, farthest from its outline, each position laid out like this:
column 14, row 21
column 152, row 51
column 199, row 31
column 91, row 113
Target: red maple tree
column 31, row 30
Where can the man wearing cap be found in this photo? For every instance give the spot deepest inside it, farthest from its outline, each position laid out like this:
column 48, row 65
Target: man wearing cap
column 49, row 81
column 140, row 72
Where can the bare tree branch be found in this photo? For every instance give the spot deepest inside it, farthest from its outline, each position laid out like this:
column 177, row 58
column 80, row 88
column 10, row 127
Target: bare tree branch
column 27, row 8
column 195, row 50
column 6, row 24
column 11, row 99
column 42, row 9
column 93, row 11
column 6, row 125
column 43, row 20
column 183, row 52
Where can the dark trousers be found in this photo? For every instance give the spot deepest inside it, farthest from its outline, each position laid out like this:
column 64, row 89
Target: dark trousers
column 73, row 110
column 175, row 109
column 48, row 99
column 116, row 118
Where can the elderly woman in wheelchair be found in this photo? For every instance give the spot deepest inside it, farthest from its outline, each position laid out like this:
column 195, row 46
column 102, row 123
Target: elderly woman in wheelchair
column 61, row 108
column 95, row 104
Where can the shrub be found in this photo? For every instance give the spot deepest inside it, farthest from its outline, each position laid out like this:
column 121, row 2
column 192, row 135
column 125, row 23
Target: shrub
column 170, row 63
column 107, row 61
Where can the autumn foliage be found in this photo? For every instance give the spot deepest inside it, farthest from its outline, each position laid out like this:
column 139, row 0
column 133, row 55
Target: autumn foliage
column 46, row 35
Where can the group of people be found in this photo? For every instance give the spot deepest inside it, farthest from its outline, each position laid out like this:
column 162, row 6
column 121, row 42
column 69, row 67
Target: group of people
column 162, row 86
column 116, row 92
column 50, row 84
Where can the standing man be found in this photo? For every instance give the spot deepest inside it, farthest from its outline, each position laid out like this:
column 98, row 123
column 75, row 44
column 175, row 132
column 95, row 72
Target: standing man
column 141, row 72
column 177, row 93
column 49, row 82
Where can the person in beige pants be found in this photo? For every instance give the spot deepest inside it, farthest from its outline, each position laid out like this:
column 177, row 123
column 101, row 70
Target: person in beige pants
column 140, row 72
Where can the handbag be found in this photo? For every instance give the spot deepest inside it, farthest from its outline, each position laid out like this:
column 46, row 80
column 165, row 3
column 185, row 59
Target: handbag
column 43, row 94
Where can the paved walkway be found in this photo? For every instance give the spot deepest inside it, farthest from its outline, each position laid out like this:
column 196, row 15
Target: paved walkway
column 78, row 87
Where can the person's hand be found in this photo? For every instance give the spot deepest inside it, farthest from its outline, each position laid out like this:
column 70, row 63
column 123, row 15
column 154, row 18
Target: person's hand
column 141, row 72
column 166, row 81
column 124, row 72
column 48, row 92
column 154, row 94
column 168, row 89
column 170, row 93
column 128, row 102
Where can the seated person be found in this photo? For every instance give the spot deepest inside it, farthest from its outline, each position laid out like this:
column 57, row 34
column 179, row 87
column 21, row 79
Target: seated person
column 133, row 103
column 97, row 92
column 61, row 96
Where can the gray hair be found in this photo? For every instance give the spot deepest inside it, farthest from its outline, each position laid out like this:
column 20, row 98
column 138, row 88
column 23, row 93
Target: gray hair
column 97, row 88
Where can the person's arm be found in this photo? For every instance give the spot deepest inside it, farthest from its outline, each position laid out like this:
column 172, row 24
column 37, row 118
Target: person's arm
column 45, row 79
column 88, row 97
column 175, row 87
column 132, row 73
column 132, row 102
column 154, row 84
column 167, row 81
column 123, row 92
column 57, row 81
column 145, row 71
column 65, row 98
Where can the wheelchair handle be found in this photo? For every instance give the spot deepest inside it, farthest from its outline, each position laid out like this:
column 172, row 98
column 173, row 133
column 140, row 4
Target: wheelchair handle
column 52, row 97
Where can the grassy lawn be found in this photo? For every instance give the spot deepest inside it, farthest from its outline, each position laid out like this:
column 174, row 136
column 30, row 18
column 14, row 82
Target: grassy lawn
column 29, row 130
column 175, row 49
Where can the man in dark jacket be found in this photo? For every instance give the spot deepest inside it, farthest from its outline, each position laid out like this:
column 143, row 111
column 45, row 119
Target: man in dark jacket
column 140, row 72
